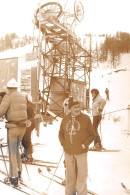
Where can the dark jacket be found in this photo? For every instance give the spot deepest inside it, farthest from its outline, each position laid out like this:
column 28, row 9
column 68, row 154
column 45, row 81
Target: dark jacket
column 74, row 132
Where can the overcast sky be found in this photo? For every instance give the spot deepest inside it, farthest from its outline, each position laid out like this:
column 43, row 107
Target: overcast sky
column 101, row 16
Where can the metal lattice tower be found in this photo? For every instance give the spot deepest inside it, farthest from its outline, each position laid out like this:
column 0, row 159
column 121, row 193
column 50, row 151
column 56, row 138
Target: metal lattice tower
column 64, row 64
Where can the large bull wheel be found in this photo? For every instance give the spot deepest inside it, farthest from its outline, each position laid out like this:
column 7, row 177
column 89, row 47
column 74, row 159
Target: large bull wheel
column 49, row 9
column 78, row 10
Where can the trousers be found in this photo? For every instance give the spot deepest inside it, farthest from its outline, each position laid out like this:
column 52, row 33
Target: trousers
column 76, row 174
column 14, row 137
column 26, row 141
column 96, row 121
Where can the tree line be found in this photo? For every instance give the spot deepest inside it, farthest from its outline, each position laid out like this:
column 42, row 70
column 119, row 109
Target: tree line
column 110, row 48
column 114, row 46
column 12, row 41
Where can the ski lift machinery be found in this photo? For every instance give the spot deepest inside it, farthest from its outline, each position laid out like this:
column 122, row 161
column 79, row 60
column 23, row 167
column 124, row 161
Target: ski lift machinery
column 64, row 65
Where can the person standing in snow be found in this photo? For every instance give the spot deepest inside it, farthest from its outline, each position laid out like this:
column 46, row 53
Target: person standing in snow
column 76, row 134
column 107, row 93
column 26, row 140
column 97, row 108
column 14, row 107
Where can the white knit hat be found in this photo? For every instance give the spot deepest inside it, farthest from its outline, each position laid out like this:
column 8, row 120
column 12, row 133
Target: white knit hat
column 12, row 83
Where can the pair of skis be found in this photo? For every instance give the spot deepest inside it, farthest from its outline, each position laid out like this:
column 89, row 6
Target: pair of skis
column 35, row 162
column 102, row 150
column 58, row 179
column 23, row 187
column 125, row 188
column 16, row 188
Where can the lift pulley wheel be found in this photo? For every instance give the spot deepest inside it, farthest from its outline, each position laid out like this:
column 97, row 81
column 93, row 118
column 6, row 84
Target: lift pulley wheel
column 78, row 10
column 48, row 10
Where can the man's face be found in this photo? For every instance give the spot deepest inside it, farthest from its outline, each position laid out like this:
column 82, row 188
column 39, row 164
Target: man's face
column 75, row 110
column 93, row 95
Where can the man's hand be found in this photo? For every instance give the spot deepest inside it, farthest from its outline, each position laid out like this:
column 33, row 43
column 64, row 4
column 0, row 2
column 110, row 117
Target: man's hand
column 83, row 146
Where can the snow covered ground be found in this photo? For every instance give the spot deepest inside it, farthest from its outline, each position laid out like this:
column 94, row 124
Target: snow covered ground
column 106, row 169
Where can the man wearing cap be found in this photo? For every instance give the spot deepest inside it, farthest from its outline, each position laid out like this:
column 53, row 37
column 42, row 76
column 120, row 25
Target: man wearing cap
column 76, row 134
column 14, row 107
column 97, row 108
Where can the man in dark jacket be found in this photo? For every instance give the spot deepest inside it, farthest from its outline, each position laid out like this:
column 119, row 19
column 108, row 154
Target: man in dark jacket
column 26, row 141
column 97, row 108
column 14, row 107
column 76, row 134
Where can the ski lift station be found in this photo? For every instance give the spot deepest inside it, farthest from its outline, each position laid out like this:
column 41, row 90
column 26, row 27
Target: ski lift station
column 59, row 66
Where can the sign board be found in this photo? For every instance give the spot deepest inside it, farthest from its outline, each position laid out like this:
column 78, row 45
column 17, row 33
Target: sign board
column 78, row 91
column 8, row 70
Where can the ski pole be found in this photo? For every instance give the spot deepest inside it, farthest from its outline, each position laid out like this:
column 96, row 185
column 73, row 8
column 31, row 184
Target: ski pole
column 4, row 159
column 53, row 175
column 25, row 165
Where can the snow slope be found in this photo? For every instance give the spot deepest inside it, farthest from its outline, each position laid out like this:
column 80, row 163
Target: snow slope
column 107, row 169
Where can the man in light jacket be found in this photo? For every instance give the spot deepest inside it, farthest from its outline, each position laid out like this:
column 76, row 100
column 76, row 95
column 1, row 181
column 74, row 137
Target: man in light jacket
column 14, row 107
column 76, row 134
column 97, row 108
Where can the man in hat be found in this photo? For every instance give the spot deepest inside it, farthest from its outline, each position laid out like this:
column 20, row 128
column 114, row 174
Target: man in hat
column 14, row 107
column 76, row 134
column 97, row 108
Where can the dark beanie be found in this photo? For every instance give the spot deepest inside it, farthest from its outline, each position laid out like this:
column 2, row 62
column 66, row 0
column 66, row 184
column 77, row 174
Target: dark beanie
column 2, row 94
column 95, row 91
column 72, row 102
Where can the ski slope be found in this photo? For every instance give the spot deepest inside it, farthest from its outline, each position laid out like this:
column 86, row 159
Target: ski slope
column 107, row 169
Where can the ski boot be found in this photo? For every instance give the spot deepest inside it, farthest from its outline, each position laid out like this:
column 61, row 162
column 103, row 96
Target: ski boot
column 23, row 157
column 14, row 182
column 29, row 158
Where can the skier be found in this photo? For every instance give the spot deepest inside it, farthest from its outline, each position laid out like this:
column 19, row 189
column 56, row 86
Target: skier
column 76, row 134
column 107, row 93
column 97, row 108
column 26, row 141
column 14, row 107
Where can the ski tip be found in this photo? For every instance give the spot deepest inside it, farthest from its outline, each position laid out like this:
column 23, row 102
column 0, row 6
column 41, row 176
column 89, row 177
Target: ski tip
column 48, row 169
column 39, row 170
column 123, row 185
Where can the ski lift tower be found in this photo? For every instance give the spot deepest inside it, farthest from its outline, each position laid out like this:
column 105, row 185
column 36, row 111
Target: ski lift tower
column 64, row 64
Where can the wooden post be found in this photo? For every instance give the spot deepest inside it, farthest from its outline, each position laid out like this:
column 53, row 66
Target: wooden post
column 35, row 94
column 128, row 117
